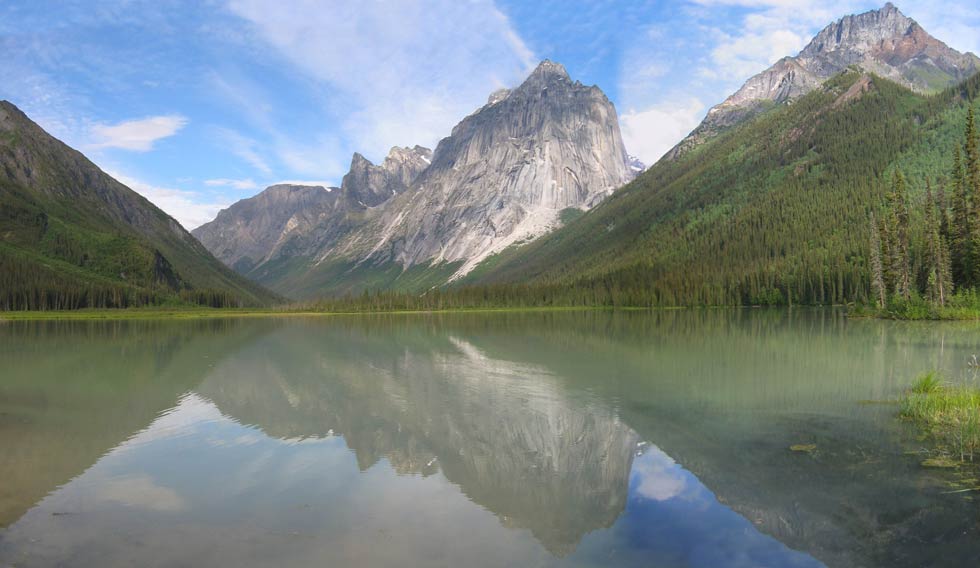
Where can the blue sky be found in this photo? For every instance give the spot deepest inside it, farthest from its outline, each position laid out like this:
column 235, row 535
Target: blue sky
column 198, row 104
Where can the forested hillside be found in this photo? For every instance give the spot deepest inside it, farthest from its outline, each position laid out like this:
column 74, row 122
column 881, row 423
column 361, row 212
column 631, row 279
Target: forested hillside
column 773, row 211
column 73, row 237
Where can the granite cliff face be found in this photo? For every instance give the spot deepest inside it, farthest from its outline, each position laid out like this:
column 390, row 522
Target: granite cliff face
column 884, row 42
column 372, row 185
column 504, row 175
column 287, row 221
column 252, row 230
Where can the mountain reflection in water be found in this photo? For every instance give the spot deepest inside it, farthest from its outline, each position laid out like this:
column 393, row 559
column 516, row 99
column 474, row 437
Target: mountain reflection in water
column 522, row 439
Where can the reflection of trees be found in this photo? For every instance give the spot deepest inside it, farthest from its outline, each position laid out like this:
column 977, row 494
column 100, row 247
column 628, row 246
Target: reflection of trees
column 533, row 415
column 724, row 392
column 504, row 432
column 72, row 390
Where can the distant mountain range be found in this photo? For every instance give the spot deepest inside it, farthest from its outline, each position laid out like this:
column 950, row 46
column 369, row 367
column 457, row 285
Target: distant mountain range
column 527, row 161
column 71, row 236
column 766, row 201
column 511, row 195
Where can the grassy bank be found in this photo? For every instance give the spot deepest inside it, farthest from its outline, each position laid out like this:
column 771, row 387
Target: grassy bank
column 964, row 305
column 948, row 414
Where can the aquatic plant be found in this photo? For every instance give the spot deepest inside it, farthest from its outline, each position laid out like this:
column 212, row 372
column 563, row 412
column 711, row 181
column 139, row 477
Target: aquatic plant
column 927, row 383
column 949, row 414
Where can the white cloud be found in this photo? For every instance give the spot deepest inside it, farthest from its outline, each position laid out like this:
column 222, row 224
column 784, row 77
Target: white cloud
column 649, row 133
column 396, row 72
column 190, row 208
column 139, row 491
column 736, row 58
column 137, row 135
column 660, row 478
column 244, row 147
column 234, row 183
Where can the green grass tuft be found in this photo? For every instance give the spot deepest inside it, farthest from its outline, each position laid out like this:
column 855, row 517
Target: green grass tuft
column 927, row 383
column 949, row 414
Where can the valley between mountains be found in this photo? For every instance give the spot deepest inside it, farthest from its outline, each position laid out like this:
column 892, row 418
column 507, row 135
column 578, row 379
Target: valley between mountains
column 534, row 199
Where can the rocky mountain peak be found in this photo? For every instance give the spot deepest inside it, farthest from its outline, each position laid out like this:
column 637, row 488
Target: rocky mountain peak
column 504, row 176
column 497, row 96
column 859, row 35
column 290, row 193
column 547, row 73
column 885, row 42
column 506, row 173
column 369, row 185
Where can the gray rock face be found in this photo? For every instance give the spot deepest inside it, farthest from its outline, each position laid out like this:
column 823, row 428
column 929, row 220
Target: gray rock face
column 504, row 175
column 287, row 221
column 371, row 185
column 253, row 230
column 884, row 42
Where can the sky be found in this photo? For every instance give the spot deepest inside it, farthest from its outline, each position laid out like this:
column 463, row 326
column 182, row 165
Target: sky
column 197, row 104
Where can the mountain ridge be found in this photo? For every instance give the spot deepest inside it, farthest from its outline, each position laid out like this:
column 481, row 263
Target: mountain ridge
column 504, row 174
column 73, row 236
column 885, row 42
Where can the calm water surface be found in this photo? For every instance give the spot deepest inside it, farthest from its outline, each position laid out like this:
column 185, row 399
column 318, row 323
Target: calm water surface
column 542, row 439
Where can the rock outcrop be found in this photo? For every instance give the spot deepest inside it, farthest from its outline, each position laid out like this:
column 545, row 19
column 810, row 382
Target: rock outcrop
column 504, row 175
column 288, row 221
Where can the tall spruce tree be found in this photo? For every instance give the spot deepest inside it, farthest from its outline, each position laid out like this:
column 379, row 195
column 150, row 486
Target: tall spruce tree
column 960, row 233
column 898, row 271
column 972, row 151
column 878, row 290
column 935, row 255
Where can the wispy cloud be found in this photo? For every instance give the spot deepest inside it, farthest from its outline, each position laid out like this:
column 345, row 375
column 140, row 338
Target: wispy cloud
column 137, row 135
column 190, row 208
column 652, row 132
column 234, row 183
column 417, row 69
column 244, row 147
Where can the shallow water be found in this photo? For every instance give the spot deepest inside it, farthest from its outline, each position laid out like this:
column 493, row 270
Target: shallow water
column 536, row 439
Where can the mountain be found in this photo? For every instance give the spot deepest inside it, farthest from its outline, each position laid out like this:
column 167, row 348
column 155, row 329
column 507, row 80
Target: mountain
column 71, row 236
column 773, row 210
column 281, row 218
column 505, row 175
column 283, row 223
column 372, row 185
column 521, row 165
column 884, row 42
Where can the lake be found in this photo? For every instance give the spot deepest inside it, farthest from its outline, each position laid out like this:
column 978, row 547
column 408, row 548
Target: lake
column 589, row 438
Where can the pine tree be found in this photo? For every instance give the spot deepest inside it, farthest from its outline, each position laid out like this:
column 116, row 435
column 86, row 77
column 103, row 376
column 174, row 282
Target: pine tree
column 973, row 190
column 877, row 276
column 935, row 254
column 960, row 226
column 898, row 275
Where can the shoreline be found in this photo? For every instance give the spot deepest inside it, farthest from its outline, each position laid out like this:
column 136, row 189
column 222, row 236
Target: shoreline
column 204, row 313
column 948, row 315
